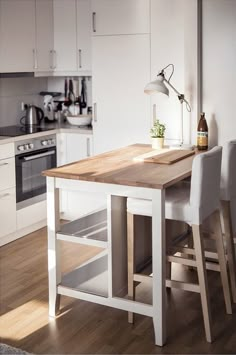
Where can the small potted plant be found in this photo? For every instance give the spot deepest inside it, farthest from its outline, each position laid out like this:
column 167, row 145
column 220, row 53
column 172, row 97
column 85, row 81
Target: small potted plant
column 157, row 133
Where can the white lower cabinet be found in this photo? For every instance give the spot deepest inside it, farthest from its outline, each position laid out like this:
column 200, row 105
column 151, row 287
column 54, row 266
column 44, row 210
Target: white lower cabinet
column 7, row 211
column 71, row 148
column 7, row 192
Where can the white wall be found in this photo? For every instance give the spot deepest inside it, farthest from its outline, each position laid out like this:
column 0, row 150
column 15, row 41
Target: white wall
column 15, row 90
column 219, row 74
column 174, row 39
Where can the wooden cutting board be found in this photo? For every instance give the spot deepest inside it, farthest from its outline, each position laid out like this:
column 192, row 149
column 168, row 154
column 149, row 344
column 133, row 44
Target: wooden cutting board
column 170, row 157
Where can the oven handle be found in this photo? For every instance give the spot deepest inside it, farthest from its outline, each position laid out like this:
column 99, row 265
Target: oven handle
column 41, row 155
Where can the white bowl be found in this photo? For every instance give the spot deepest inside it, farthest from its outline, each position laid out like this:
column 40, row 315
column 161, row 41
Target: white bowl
column 79, row 120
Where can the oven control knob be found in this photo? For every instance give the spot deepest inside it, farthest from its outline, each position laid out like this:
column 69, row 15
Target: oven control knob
column 26, row 146
column 44, row 142
column 31, row 145
column 21, row 147
column 49, row 141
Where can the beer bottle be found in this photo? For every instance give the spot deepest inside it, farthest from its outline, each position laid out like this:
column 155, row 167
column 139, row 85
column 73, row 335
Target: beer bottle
column 202, row 133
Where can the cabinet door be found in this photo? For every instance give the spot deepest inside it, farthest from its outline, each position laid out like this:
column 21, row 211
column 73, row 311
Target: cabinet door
column 78, row 146
column 84, row 25
column 121, row 69
column 112, row 17
column 44, row 35
column 64, row 35
column 7, row 212
column 17, row 36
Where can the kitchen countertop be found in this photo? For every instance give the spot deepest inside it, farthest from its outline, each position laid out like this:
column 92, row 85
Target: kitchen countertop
column 53, row 127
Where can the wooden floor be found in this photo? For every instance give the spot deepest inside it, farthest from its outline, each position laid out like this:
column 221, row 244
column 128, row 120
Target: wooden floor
column 86, row 328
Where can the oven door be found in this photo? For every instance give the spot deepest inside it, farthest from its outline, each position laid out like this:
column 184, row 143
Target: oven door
column 30, row 184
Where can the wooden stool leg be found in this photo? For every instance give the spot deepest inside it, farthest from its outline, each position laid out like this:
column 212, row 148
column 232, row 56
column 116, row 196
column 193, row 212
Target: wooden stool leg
column 222, row 261
column 227, row 218
column 201, row 269
column 130, row 250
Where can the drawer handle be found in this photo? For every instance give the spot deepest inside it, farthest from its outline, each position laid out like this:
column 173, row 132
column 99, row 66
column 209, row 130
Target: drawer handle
column 3, row 164
column 4, row 195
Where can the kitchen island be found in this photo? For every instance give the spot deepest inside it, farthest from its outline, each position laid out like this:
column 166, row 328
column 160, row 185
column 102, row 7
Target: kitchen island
column 103, row 279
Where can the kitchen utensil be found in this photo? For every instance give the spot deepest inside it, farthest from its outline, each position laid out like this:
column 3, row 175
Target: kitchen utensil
column 79, row 120
column 65, row 89
column 83, row 103
column 71, row 94
column 33, row 115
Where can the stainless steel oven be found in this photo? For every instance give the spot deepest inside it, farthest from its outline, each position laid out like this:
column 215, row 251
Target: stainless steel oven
column 32, row 156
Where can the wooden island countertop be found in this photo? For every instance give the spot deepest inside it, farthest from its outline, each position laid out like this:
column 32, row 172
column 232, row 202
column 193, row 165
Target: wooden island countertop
column 121, row 167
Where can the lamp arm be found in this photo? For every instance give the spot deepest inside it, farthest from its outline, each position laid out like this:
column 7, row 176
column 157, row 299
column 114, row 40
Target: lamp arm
column 180, row 96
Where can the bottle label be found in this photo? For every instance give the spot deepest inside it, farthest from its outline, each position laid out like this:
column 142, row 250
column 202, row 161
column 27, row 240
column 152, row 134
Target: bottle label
column 202, row 139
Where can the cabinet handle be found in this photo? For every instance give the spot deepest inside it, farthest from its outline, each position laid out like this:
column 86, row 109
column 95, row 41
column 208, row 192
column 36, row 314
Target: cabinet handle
column 94, row 21
column 3, row 164
column 35, row 58
column 95, row 112
column 51, row 58
column 88, row 147
column 80, row 58
column 54, row 59
column 4, row 195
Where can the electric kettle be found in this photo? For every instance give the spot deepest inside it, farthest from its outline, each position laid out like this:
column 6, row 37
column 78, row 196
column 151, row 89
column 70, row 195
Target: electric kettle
column 33, row 115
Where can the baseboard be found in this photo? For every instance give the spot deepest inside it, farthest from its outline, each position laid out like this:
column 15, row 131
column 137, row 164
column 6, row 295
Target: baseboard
column 22, row 232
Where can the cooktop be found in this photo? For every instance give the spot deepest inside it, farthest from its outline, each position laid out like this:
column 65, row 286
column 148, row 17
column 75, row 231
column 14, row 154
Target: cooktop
column 13, row 131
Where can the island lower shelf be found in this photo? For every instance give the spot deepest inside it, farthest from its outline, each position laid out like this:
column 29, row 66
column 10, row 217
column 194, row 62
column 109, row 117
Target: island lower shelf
column 89, row 230
column 90, row 277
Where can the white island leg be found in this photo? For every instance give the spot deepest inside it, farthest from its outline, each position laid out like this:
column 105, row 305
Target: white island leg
column 159, row 266
column 54, row 272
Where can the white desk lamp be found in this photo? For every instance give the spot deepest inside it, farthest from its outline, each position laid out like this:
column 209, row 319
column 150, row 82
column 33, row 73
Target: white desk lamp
column 158, row 86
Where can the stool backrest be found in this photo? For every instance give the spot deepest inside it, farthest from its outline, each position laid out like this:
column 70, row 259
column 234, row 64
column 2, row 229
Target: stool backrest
column 228, row 171
column 205, row 184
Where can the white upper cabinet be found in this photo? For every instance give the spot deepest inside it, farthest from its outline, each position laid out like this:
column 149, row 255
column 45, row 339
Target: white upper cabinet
column 65, row 53
column 44, row 35
column 84, row 26
column 114, row 17
column 17, row 36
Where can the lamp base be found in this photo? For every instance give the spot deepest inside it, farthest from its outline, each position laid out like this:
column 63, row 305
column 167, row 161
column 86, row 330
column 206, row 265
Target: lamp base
column 182, row 146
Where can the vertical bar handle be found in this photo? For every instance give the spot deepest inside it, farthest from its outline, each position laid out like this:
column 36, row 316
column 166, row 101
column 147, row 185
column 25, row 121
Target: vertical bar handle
column 95, row 118
column 54, row 59
column 51, row 58
column 35, row 58
column 154, row 113
column 80, row 58
column 88, row 147
column 94, row 21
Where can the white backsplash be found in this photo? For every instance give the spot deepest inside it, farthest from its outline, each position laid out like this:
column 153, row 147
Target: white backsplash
column 13, row 91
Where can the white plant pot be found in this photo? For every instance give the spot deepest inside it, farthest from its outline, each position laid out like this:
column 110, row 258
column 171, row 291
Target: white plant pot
column 157, row 143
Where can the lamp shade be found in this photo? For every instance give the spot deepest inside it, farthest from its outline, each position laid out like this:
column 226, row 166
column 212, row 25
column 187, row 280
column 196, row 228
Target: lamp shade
column 156, row 86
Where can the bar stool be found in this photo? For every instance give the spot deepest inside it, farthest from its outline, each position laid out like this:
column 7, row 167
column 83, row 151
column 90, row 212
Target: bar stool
column 190, row 203
column 227, row 195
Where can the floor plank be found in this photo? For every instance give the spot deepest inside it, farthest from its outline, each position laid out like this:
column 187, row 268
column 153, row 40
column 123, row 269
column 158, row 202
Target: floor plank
column 86, row 328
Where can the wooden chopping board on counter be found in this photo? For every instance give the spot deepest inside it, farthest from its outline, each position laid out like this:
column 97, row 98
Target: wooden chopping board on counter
column 170, row 157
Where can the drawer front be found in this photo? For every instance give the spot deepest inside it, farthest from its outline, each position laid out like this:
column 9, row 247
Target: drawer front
column 7, row 211
column 7, row 173
column 6, row 151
